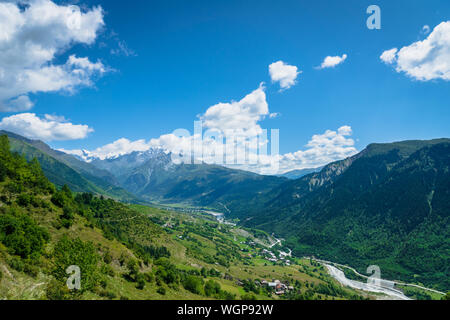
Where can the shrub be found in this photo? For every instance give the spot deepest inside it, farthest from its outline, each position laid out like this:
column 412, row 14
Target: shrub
column 16, row 263
column 63, row 197
column 57, row 291
column 161, row 291
column 248, row 297
column 133, row 269
column 193, row 284
column 140, row 281
column 22, row 235
column 31, row 269
column 107, row 270
column 149, row 277
column 166, row 271
column 66, row 223
column 225, row 295
column 212, row 288
column 24, row 200
column 108, row 294
column 107, row 257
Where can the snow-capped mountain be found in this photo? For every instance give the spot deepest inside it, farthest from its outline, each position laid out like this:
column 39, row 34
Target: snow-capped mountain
column 153, row 175
column 124, row 165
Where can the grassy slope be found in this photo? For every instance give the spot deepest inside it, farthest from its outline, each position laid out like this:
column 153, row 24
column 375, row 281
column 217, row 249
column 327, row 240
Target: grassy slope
column 210, row 240
column 389, row 207
column 18, row 285
column 195, row 242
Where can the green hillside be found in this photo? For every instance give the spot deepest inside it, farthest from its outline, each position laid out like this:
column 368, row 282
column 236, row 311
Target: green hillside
column 388, row 206
column 131, row 252
column 61, row 173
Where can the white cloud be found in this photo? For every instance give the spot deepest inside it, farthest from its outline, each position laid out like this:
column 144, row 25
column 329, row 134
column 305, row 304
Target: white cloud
column 50, row 128
column 239, row 119
column 52, row 117
column 428, row 59
column 320, row 150
column 283, row 73
column 31, row 37
column 331, row 62
column 389, row 56
column 21, row 103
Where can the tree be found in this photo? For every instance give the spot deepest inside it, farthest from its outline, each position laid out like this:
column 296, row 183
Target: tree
column 4, row 147
column 133, row 269
column 140, row 281
column 212, row 288
column 22, row 235
column 193, row 284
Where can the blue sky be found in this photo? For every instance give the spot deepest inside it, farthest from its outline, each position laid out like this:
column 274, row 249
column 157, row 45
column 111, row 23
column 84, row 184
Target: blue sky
column 185, row 56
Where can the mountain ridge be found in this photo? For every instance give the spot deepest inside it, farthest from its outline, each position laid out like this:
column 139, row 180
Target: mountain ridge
column 153, row 176
column 63, row 169
column 388, row 205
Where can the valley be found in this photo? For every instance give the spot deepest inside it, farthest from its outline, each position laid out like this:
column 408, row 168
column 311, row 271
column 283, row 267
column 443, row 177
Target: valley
column 198, row 233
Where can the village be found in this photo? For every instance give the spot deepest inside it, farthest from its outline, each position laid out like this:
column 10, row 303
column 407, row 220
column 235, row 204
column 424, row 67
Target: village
column 272, row 252
column 284, row 258
column 279, row 287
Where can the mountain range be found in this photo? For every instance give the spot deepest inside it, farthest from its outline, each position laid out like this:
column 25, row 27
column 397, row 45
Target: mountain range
column 297, row 174
column 63, row 169
column 153, row 176
column 148, row 176
column 388, row 205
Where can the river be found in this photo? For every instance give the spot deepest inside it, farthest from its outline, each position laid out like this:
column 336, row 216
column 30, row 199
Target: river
column 341, row 278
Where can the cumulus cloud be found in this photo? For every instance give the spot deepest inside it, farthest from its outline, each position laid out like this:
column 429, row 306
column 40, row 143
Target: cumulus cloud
column 238, row 116
column 283, row 73
column 320, row 150
column 32, row 34
column 235, row 118
column 49, row 128
column 21, row 103
column 331, row 62
column 389, row 56
column 424, row 60
column 239, row 120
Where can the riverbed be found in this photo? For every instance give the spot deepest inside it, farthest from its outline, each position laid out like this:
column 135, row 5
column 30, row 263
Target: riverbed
column 341, row 278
